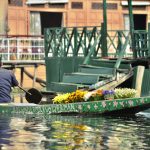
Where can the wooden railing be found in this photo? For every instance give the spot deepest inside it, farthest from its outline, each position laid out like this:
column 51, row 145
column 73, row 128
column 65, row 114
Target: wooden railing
column 22, row 47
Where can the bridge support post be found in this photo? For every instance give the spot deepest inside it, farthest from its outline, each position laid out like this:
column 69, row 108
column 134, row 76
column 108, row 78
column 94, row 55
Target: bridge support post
column 104, row 30
column 21, row 76
column 130, row 9
column 35, row 73
column 148, row 40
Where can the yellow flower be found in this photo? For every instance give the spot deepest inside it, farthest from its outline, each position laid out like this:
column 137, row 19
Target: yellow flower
column 77, row 96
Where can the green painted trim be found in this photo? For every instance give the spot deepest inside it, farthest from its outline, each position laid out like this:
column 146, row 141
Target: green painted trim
column 98, row 107
column 130, row 9
column 104, row 32
column 148, row 39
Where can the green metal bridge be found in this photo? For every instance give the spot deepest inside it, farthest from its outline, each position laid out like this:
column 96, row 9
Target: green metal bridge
column 74, row 56
column 79, row 57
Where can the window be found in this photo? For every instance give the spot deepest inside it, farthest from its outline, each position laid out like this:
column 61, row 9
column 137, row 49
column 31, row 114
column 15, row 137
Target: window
column 112, row 6
column 56, row 6
column 15, row 2
column 100, row 6
column 126, row 22
column 77, row 5
column 97, row 6
column 35, row 23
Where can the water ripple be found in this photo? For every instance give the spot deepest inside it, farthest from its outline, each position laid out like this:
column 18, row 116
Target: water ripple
column 74, row 132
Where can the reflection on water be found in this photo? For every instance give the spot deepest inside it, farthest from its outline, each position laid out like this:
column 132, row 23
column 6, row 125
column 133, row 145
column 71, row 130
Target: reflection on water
column 74, row 132
column 18, row 98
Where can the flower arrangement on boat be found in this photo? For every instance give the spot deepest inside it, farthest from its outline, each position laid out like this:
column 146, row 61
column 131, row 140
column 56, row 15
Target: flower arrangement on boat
column 77, row 96
column 125, row 93
column 83, row 96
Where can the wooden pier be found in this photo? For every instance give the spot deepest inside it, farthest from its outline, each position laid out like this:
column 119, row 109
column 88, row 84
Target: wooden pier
column 22, row 65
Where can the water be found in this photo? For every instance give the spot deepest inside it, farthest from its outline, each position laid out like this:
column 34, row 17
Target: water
column 75, row 132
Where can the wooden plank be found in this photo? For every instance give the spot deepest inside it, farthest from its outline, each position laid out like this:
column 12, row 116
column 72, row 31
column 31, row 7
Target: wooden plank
column 115, row 83
column 139, row 79
column 64, row 87
column 97, row 70
column 80, row 78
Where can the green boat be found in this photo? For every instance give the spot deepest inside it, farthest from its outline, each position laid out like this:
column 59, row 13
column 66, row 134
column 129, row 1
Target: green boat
column 65, row 74
column 80, row 58
column 104, row 107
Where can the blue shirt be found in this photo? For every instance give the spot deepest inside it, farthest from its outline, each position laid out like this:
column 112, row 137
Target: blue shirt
column 7, row 80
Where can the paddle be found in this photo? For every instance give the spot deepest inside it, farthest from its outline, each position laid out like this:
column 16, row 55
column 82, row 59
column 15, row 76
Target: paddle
column 32, row 95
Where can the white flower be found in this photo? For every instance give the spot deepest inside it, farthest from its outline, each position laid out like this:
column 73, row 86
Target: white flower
column 87, row 95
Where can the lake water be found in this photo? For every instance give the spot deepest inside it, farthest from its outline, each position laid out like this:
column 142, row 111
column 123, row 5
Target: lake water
column 75, row 132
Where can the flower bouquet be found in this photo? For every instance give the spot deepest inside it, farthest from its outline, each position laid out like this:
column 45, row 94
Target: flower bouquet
column 108, row 94
column 121, row 93
column 98, row 95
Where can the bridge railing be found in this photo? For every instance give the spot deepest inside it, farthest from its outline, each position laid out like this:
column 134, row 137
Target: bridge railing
column 141, row 44
column 116, row 40
column 78, row 41
column 71, row 41
column 22, row 48
column 62, row 42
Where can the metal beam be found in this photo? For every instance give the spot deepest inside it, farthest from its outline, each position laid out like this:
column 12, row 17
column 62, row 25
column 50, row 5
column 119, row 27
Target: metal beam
column 131, row 15
column 104, row 42
column 131, row 27
column 148, row 40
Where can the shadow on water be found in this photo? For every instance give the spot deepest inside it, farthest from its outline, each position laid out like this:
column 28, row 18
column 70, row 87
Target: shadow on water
column 20, row 98
column 56, row 132
column 4, row 131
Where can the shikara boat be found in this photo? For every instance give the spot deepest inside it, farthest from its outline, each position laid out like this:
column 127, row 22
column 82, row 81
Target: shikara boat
column 108, row 107
column 67, row 74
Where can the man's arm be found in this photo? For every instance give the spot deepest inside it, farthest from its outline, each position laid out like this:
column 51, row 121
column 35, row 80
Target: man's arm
column 14, row 81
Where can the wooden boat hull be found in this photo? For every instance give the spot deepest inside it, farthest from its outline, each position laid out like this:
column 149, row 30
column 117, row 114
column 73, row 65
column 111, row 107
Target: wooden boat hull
column 122, row 106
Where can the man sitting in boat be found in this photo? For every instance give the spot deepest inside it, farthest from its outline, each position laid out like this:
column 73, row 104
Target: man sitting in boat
column 7, row 80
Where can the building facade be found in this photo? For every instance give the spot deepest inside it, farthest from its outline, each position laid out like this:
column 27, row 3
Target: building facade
column 30, row 17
